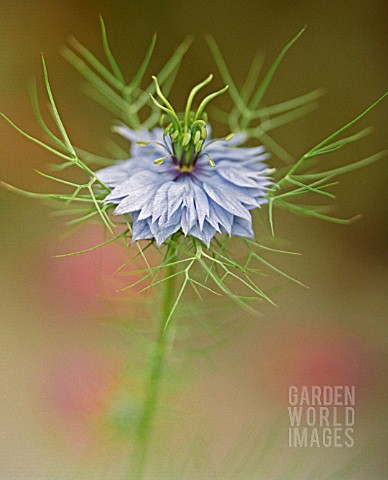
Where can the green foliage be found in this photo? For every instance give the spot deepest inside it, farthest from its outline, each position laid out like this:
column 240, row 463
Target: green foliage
column 300, row 176
column 126, row 100
column 215, row 270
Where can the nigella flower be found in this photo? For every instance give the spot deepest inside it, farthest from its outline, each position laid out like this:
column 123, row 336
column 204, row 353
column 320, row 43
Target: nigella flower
column 178, row 179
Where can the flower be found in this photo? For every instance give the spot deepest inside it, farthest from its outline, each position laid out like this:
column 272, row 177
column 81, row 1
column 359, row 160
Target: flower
column 200, row 201
column 179, row 179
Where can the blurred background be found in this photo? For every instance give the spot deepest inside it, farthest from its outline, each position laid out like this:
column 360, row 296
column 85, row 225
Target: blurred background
column 62, row 353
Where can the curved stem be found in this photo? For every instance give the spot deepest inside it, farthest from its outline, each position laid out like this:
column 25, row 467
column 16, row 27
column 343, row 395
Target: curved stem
column 143, row 437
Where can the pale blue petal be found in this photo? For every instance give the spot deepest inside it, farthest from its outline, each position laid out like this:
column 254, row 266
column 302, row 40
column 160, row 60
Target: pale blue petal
column 205, row 234
column 175, row 196
column 238, row 176
column 230, row 202
column 162, row 233
column 242, row 228
column 201, row 204
column 140, row 229
column 116, row 174
column 159, row 205
column 219, row 217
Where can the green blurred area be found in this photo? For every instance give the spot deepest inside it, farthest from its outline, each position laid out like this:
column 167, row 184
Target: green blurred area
column 344, row 51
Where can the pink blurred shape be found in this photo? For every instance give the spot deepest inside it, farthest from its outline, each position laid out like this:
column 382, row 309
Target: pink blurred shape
column 308, row 357
column 90, row 282
column 77, row 391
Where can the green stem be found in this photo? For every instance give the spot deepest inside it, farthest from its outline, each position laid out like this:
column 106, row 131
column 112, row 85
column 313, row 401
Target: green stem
column 143, row 438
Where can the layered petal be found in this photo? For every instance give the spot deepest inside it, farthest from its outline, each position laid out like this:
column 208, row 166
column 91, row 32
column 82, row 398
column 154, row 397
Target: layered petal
column 200, row 202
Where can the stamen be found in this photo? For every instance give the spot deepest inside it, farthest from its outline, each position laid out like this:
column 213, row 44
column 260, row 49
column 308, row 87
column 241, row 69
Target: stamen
column 198, row 146
column 186, row 139
column 145, row 144
column 160, row 160
column 211, row 162
column 224, row 139
column 174, row 135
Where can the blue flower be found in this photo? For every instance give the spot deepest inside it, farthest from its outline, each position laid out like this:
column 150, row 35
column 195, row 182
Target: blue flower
column 179, row 180
column 198, row 186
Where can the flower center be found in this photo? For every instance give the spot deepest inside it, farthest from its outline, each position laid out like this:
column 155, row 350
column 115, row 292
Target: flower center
column 187, row 141
column 187, row 132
